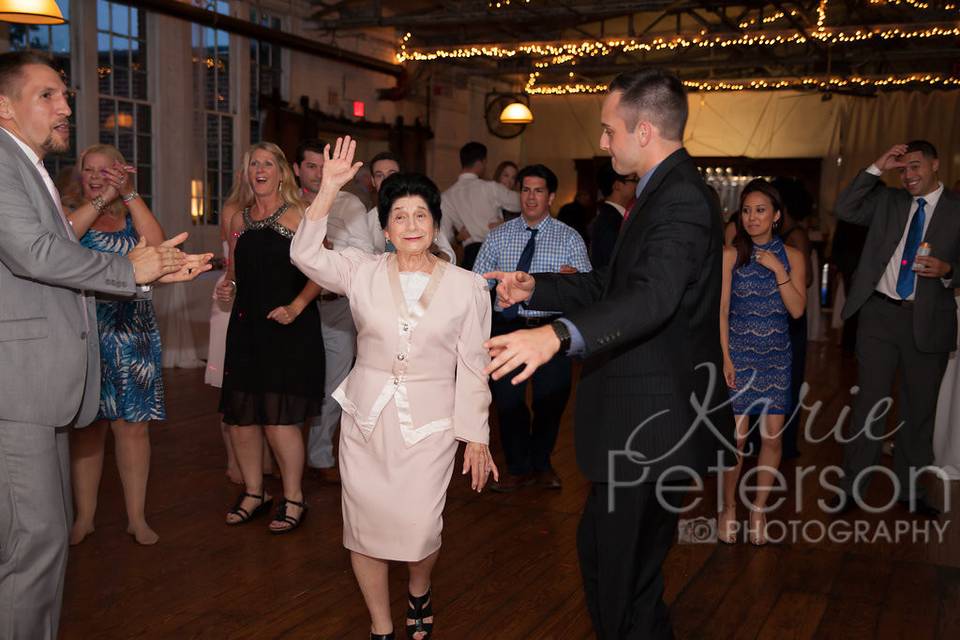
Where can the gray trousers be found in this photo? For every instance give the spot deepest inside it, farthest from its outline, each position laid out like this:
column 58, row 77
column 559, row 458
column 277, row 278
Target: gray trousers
column 339, row 345
column 35, row 518
column 885, row 344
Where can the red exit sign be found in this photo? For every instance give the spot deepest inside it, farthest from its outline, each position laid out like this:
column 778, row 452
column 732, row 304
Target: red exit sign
column 359, row 109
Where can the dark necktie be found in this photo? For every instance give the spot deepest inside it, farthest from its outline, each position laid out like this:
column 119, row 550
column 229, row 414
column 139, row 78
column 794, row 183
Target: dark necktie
column 526, row 259
column 906, row 280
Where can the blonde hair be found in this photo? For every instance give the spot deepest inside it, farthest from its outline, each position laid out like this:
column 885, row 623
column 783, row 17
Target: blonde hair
column 241, row 194
column 72, row 196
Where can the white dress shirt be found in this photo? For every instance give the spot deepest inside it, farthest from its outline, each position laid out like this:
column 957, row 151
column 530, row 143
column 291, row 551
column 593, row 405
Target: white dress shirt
column 888, row 282
column 347, row 226
column 475, row 204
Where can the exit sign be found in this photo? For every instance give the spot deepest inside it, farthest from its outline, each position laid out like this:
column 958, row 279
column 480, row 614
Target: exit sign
column 359, row 109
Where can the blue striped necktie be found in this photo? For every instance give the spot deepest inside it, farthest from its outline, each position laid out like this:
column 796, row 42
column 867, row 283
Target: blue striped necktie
column 907, row 279
column 526, row 259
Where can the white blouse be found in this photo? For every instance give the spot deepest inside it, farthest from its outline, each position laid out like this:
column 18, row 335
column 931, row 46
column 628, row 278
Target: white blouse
column 413, row 283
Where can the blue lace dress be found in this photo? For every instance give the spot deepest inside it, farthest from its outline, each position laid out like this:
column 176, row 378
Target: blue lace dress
column 759, row 338
column 131, row 385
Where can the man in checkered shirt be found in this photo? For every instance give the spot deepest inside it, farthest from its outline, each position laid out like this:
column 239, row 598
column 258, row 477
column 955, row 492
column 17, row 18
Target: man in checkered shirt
column 536, row 242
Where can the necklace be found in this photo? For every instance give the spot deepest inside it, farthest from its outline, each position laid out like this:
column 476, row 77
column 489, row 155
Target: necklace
column 272, row 222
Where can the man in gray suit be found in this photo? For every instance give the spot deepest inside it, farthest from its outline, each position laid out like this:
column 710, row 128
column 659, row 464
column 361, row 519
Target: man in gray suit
column 49, row 348
column 908, row 317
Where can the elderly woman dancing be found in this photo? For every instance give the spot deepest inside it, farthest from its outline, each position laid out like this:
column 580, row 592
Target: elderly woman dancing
column 417, row 387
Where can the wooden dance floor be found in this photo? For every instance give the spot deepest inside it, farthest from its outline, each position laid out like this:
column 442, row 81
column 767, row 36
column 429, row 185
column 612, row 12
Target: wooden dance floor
column 508, row 568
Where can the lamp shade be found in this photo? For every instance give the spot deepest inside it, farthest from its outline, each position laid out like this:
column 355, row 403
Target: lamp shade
column 516, row 113
column 31, row 12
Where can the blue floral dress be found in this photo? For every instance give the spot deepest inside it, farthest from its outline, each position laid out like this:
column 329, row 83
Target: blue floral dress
column 759, row 337
column 131, row 384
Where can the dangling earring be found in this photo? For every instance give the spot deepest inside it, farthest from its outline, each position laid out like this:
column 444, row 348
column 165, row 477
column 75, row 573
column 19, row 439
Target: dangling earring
column 280, row 186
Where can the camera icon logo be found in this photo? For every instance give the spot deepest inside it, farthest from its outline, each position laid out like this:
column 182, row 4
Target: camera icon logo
column 697, row 531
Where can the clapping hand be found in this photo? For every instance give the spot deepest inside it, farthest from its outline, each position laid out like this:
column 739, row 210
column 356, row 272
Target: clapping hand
column 166, row 263
column 478, row 462
column 513, row 287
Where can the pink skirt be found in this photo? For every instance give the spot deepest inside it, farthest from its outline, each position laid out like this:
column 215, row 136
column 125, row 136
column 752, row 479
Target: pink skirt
column 393, row 495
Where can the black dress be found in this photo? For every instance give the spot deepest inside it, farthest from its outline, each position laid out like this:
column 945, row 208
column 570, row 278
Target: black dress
column 273, row 373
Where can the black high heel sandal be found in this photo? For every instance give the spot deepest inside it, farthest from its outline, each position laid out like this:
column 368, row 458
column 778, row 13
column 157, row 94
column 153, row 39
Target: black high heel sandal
column 419, row 608
column 382, row 636
column 290, row 520
column 246, row 516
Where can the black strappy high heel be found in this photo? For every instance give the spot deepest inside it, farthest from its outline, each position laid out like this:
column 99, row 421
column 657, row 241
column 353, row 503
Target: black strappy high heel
column 290, row 520
column 417, row 609
column 247, row 516
column 382, row 636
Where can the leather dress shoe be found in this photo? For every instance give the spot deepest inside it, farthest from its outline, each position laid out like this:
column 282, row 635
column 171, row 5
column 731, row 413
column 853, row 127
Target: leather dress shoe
column 511, row 482
column 841, row 504
column 547, row 480
column 921, row 508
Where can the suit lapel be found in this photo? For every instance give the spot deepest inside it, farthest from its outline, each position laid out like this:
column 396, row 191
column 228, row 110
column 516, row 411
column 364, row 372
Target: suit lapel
column 944, row 216
column 661, row 172
column 27, row 167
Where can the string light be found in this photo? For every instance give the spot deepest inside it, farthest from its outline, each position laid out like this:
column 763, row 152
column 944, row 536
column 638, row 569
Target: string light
column 879, row 82
column 503, row 4
column 768, row 19
column 916, row 4
column 569, row 51
column 821, row 15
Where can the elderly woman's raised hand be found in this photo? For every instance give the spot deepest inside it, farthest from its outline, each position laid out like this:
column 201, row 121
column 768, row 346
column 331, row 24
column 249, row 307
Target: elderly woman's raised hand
column 338, row 166
column 478, row 462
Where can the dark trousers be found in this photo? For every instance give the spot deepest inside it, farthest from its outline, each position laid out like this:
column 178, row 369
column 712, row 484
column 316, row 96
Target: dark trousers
column 621, row 555
column 528, row 440
column 798, row 346
column 885, row 343
column 470, row 253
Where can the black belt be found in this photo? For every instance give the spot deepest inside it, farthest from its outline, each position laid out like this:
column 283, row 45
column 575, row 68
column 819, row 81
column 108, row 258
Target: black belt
column 526, row 321
column 906, row 304
column 327, row 297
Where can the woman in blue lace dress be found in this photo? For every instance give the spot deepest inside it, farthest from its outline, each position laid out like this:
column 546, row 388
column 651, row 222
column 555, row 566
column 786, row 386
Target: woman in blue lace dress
column 763, row 285
column 108, row 215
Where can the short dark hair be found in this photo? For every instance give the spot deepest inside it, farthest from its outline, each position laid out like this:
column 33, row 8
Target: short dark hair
column 926, row 148
column 606, row 177
column 310, row 144
column 655, row 94
column 539, row 171
column 399, row 185
column 11, row 69
column 472, row 153
column 384, row 155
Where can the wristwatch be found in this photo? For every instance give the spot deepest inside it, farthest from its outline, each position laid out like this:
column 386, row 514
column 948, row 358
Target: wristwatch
column 563, row 334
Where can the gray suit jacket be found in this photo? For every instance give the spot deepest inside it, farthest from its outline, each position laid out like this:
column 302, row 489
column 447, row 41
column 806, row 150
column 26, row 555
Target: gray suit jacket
column 884, row 210
column 49, row 359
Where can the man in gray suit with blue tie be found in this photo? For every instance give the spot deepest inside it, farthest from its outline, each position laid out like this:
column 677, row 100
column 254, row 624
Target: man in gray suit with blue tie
column 908, row 317
column 49, row 348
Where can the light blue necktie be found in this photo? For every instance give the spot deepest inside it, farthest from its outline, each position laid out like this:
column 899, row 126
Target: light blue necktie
column 906, row 280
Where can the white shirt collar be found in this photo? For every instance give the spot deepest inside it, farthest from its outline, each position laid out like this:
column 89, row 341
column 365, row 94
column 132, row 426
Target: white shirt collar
column 468, row 175
column 620, row 209
column 34, row 158
column 931, row 198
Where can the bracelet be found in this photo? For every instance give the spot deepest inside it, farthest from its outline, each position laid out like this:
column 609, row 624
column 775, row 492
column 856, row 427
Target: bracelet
column 233, row 282
column 130, row 197
column 98, row 204
column 780, row 284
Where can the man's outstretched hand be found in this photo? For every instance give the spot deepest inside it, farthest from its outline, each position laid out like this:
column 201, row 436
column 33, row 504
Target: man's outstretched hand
column 528, row 348
column 166, row 263
column 513, row 287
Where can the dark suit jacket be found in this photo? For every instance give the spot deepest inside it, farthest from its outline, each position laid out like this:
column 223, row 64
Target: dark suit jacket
column 648, row 320
column 885, row 210
column 603, row 234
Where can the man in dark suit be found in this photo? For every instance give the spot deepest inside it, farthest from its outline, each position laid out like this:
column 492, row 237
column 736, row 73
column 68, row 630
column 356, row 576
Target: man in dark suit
column 647, row 327
column 908, row 317
column 618, row 192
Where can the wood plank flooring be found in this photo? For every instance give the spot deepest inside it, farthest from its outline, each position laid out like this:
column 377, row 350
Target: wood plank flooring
column 508, row 568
